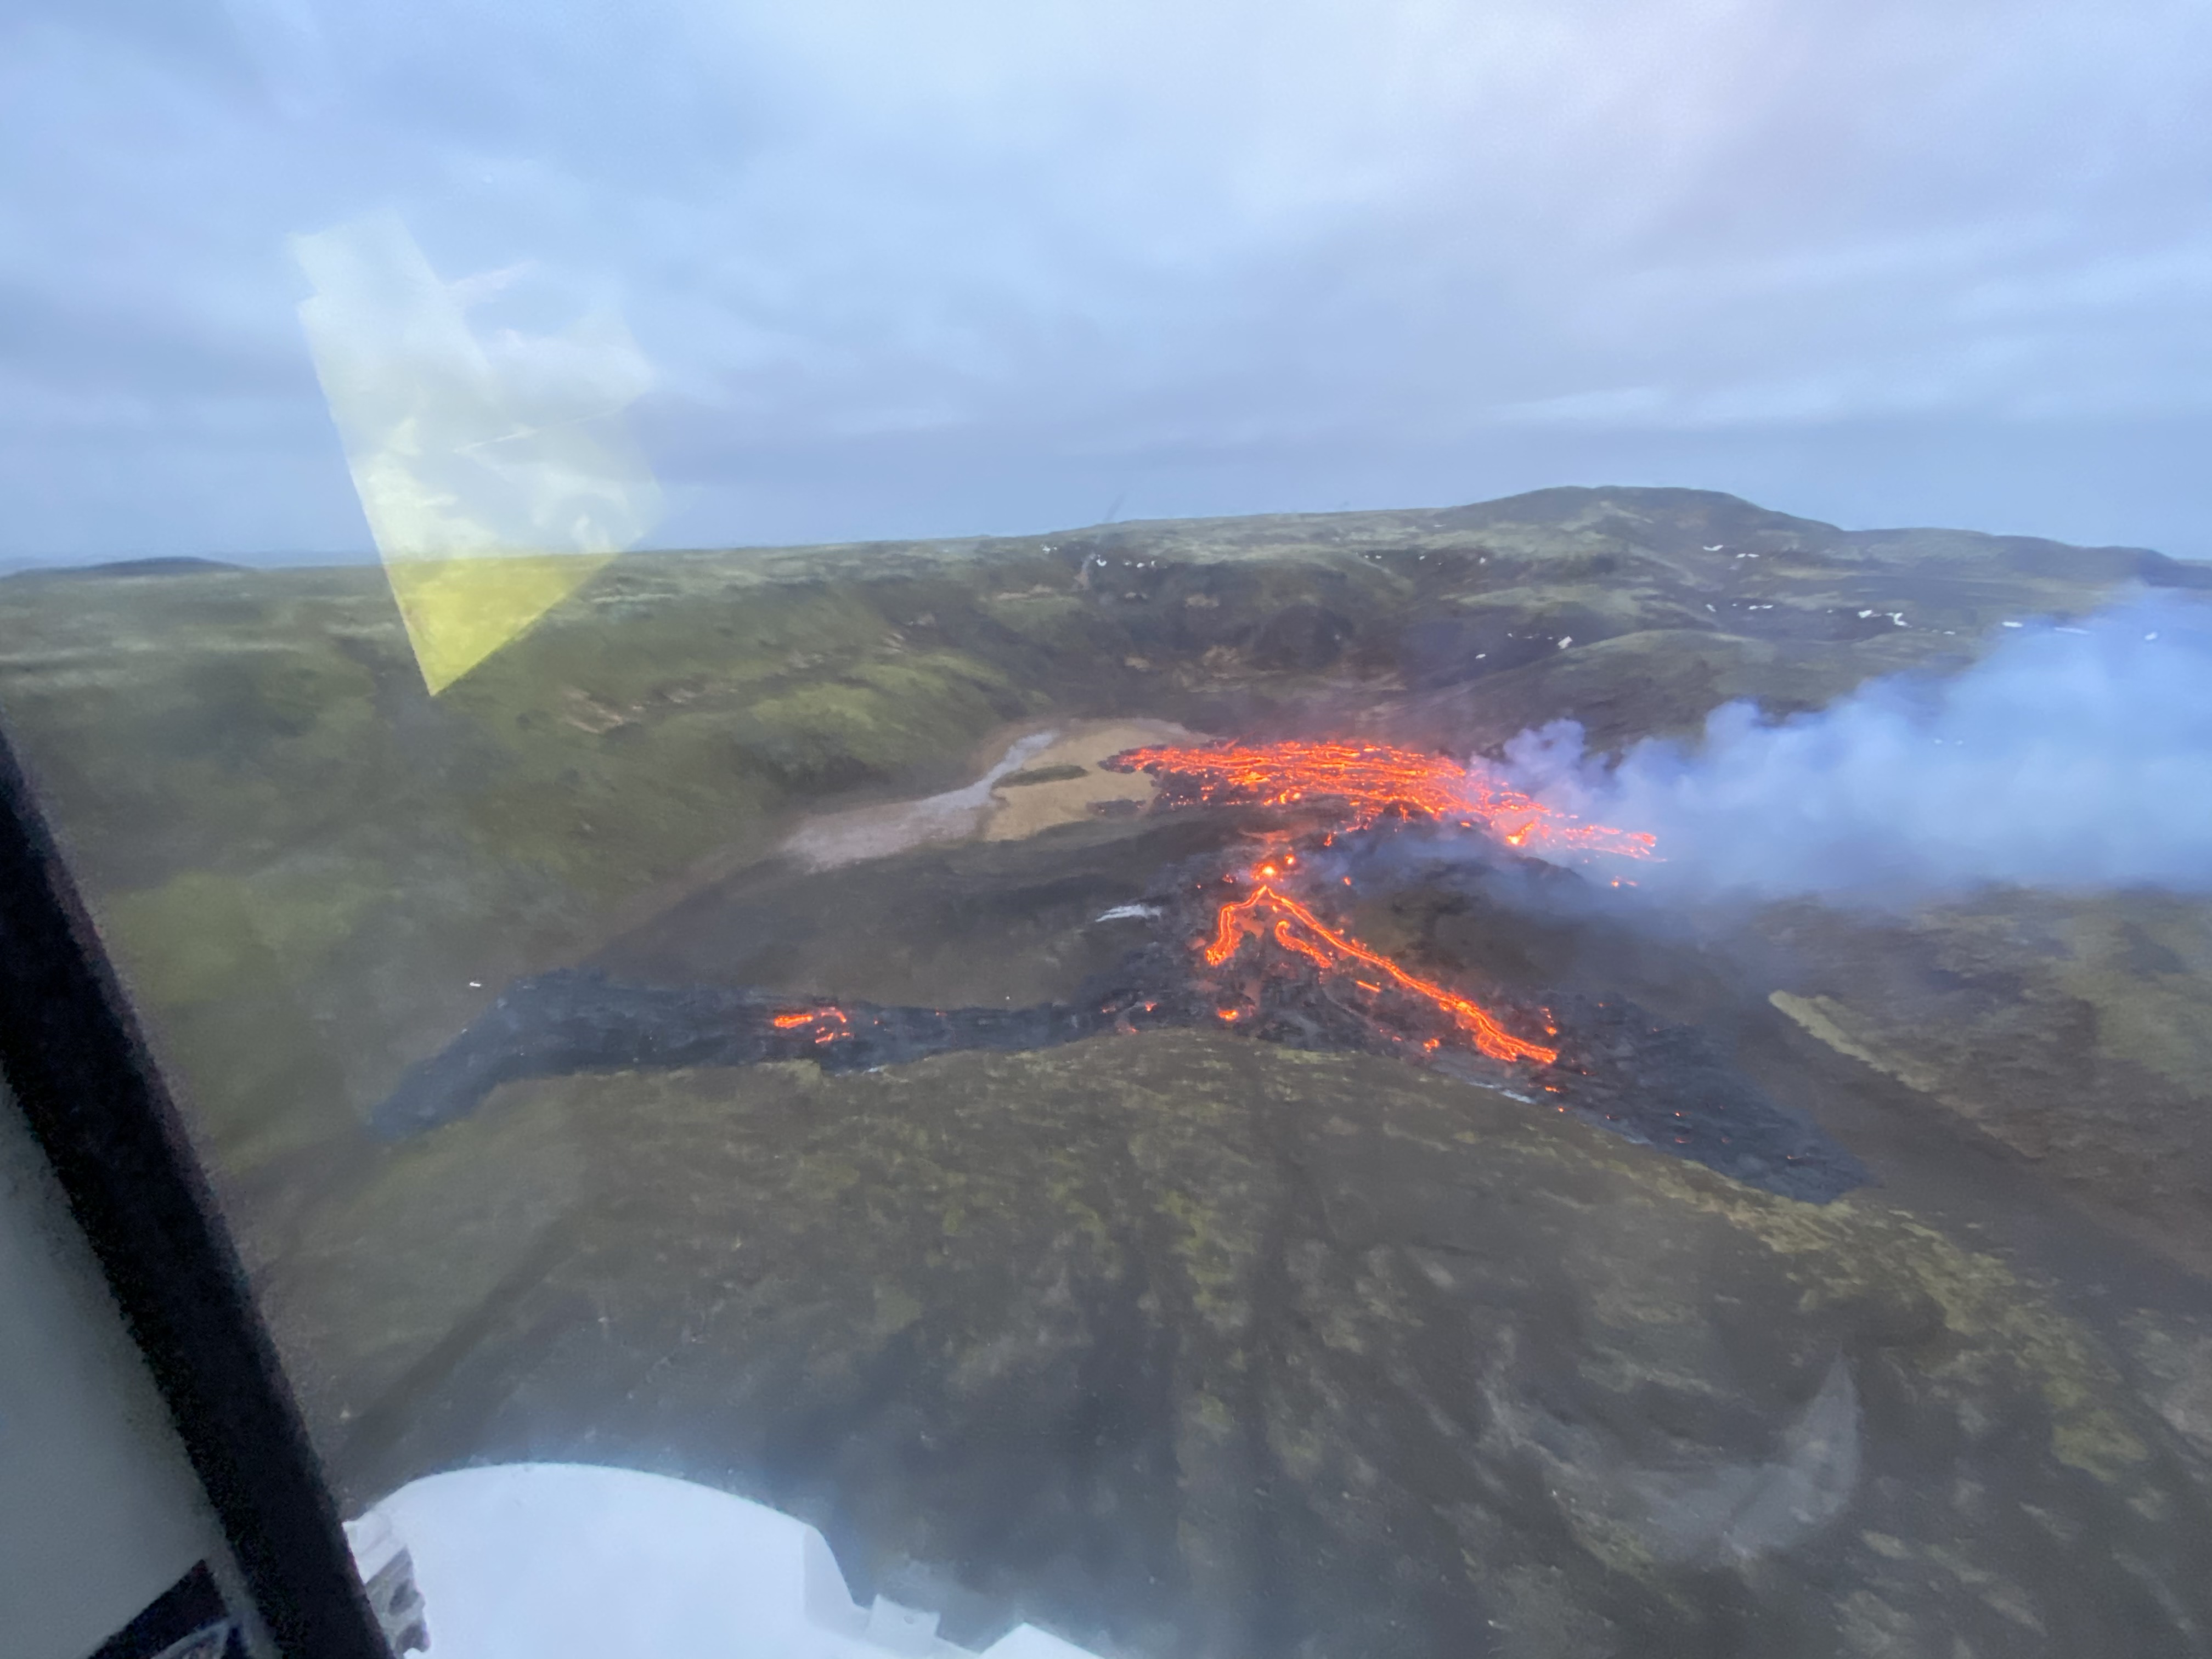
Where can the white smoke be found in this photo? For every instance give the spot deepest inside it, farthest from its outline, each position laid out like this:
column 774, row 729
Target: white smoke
column 2071, row 756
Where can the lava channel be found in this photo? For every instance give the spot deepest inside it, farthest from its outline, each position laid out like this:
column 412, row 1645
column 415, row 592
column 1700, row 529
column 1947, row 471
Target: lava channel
column 1356, row 787
column 1367, row 783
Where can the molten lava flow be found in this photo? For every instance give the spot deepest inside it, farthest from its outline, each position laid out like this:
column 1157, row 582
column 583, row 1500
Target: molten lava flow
column 1371, row 781
column 1297, row 928
column 1360, row 785
column 829, row 1023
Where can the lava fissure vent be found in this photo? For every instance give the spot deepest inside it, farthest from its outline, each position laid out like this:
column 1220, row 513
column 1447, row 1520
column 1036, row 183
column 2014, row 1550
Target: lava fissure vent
column 1245, row 943
column 1287, row 972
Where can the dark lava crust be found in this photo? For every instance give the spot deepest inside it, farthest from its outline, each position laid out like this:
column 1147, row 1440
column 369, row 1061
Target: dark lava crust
column 1619, row 1068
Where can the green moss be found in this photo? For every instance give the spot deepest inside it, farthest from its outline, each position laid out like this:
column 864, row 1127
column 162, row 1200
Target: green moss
column 213, row 963
column 895, row 1310
column 1217, row 1257
column 1995, row 1323
column 190, row 941
column 2144, row 965
column 270, row 731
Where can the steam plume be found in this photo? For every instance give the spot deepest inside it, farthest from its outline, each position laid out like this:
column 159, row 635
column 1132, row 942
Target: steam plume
column 2071, row 756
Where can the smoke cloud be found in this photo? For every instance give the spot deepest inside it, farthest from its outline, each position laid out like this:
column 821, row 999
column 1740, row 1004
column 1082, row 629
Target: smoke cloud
column 2071, row 756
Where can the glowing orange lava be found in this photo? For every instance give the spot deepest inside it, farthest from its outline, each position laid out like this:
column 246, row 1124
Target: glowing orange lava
column 1372, row 781
column 831, row 1021
column 1364, row 784
column 1297, row 928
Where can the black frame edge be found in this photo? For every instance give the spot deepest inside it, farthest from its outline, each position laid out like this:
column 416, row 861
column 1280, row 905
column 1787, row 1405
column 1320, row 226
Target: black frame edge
column 85, row 1078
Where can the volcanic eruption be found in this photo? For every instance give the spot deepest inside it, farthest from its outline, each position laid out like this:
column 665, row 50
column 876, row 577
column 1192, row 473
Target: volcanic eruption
column 1367, row 783
column 1247, row 940
column 1346, row 787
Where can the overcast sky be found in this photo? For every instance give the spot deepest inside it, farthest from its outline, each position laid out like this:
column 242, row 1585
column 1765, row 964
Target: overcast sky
column 923, row 267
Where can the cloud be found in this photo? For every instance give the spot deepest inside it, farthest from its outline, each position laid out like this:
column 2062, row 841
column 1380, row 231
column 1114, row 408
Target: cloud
column 2071, row 756
column 1449, row 250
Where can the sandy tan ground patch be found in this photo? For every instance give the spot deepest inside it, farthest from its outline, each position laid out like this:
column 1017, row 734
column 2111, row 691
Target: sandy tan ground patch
column 833, row 839
column 1022, row 809
column 1000, row 805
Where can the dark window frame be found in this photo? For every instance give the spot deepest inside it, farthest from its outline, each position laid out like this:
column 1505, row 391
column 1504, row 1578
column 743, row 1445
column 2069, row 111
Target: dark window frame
column 85, row 1078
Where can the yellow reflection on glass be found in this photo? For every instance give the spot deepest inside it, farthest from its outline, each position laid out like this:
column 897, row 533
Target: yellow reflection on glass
column 494, row 473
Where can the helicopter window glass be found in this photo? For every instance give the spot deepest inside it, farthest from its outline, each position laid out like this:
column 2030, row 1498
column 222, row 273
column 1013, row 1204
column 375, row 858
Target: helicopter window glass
column 1149, row 804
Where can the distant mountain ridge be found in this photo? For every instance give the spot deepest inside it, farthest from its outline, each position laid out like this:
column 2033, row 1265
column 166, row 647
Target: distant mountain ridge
column 1669, row 519
column 165, row 565
column 1660, row 518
